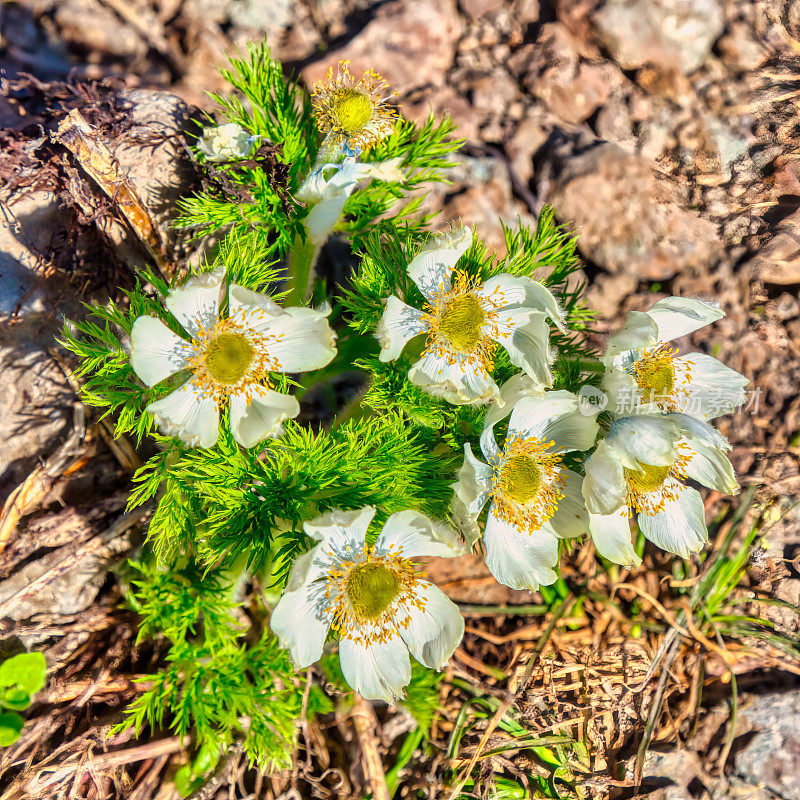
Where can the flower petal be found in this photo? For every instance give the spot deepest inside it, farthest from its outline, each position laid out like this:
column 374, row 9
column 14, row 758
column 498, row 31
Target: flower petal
column 611, row 534
column 459, row 382
column 432, row 267
column 519, row 559
column 410, row 533
column 262, row 417
column 604, row 488
column 679, row 316
column 255, row 309
column 710, row 467
column 508, row 291
column 323, row 216
column 680, row 527
column 513, row 390
column 624, row 397
column 156, row 352
column 713, row 389
column 398, row 324
column 379, row 671
column 340, row 527
column 555, row 416
column 525, row 335
column 195, row 304
column 300, row 626
column 474, row 483
column 571, row 517
column 644, row 439
column 188, row 414
column 639, row 330
column 300, row 339
column 435, row 630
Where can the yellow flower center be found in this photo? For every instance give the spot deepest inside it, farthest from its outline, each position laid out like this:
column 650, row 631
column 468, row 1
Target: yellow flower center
column 520, row 479
column 228, row 357
column 371, row 588
column 352, row 110
column 648, row 479
column 461, row 322
column 654, row 373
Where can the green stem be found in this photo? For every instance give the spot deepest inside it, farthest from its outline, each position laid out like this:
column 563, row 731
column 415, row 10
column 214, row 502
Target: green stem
column 589, row 364
column 302, row 259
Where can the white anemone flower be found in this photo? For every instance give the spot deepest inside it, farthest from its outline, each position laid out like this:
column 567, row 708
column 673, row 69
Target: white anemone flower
column 535, row 499
column 227, row 142
column 230, row 359
column 646, row 375
column 328, row 187
column 464, row 321
column 640, row 467
column 373, row 597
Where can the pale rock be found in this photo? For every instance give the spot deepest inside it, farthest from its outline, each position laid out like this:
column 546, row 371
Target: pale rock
column 671, row 34
column 778, row 261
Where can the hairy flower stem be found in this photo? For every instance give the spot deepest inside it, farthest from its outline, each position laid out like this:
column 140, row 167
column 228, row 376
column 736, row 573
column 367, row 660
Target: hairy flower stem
column 589, row 365
column 302, row 260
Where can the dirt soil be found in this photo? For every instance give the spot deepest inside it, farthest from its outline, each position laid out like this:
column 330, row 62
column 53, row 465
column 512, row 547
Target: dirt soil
column 664, row 132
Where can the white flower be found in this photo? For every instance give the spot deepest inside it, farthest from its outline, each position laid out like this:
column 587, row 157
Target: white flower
column 328, row 187
column 535, row 499
column 464, row 320
column 640, row 466
column 373, row 597
column 646, row 375
column 230, row 359
column 227, row 142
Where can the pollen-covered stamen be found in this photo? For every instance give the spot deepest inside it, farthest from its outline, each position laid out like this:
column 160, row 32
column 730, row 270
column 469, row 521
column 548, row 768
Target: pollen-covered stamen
column 656, row 375
column 462, row 323
column 233, row 357
column 527, row 483
column 369, row 595
column 648, row 489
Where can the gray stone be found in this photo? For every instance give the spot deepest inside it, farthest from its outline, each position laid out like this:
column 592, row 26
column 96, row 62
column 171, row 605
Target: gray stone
column 772, row 756
column 262, row 16
column 671, row 34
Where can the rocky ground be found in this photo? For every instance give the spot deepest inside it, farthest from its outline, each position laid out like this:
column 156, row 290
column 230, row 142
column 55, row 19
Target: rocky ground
column 665, row 132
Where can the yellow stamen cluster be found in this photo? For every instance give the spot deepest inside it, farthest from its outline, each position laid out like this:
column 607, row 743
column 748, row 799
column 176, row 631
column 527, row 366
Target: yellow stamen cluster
column 369, row 596
column 353, row 111
column 232, row 357
column 656, row 375
column 462, row 324
column 527, row 483
column 648, row 491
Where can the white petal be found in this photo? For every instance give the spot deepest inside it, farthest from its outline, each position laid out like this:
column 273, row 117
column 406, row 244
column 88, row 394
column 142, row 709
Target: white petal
column 553, row 416
column 460, row 383
column 195, row 304
column 680, row 527
column 519, row 559
column 624, row 396
column 323, row 216
column 644, row 439
column 611, row 534
column 399, row 324
column 300, row 339
column 263, row 418
column 506, row 291
column 513, row 390
column 679, row 316
column 156, row 352
column 388, row 170
column 525, row 335
column 710, row 467
column 432, row 267
column 254, row 308
column 379, row 671
column 713, row 388
column 300, row 626
column 410, row 533
column 571, row 517
column 604, row 487
column 312, row 190
column 699, row 430
column 639, row 330
column 189, row 415
column 434, row 631
column 341, row 527
column 474, row 483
